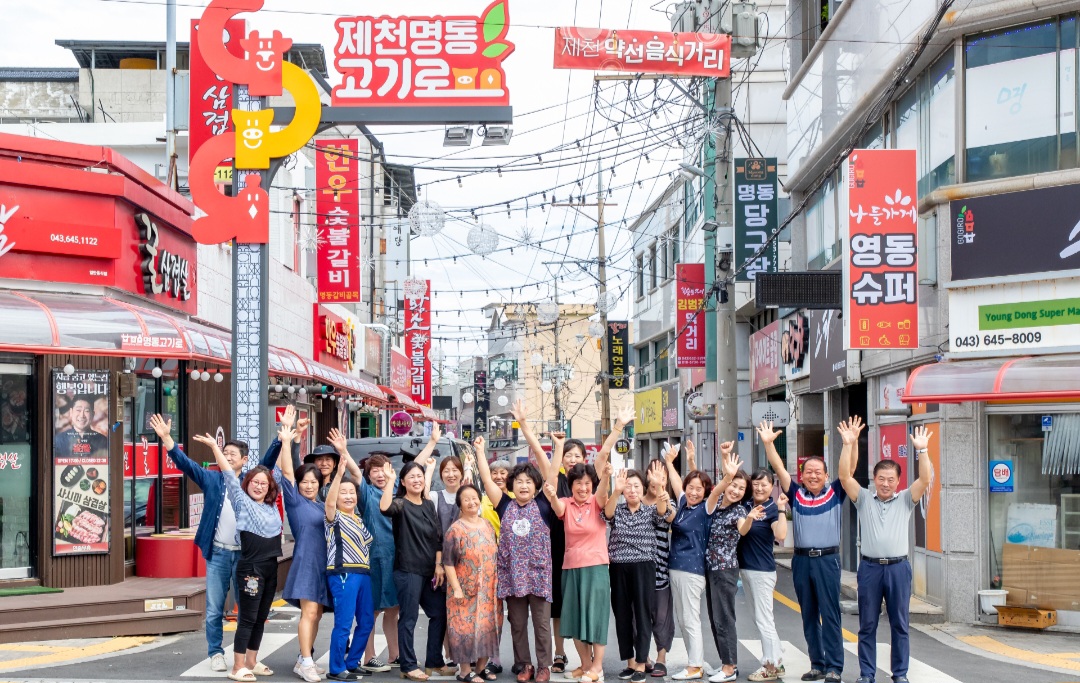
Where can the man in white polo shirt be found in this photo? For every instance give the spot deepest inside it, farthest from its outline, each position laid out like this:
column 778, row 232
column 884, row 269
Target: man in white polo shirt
column 884, row 571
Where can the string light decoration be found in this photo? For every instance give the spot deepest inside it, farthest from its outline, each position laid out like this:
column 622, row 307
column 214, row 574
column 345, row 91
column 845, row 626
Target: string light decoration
column 547, row 312
column 537, row 359
column 606, row 302
column 467, row 397
column 482, row 240
column 500, row 384
column 596, row 329
column 426, row 218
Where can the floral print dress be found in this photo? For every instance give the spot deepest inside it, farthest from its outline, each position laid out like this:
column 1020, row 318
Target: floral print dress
column 472, row 629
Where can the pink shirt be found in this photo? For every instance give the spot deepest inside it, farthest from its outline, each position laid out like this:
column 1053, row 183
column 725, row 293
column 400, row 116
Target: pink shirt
column 586, row 534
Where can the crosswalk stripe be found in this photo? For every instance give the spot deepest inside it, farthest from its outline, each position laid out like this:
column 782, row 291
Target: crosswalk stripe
column 794, row 660
column 380, row 645
column 271, row 642
column 919, row 671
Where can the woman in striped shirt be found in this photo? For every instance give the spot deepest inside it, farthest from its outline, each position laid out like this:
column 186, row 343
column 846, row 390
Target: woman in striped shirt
column 259, row 526
column 348, row 545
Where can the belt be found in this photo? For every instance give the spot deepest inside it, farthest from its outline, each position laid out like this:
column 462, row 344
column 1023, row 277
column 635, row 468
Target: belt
column 226, row 546
column 817, row 552
column 883, row 560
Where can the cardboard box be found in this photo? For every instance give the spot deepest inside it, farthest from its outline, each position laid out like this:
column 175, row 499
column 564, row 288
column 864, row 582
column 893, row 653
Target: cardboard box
column 1017, row 597
column 1056, row 601
column 1026, row 617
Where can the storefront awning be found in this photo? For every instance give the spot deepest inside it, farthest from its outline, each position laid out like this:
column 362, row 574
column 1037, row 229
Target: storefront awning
column 42, row 322
column 1026, row 378
column 406, row 402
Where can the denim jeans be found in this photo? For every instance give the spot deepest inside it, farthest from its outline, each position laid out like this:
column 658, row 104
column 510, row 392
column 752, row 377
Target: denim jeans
column 220, row 574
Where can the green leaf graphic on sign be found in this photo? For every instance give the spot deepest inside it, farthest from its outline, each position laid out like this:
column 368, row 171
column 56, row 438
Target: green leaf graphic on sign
column 495, row 49
column 963, row 209
column 494, row 22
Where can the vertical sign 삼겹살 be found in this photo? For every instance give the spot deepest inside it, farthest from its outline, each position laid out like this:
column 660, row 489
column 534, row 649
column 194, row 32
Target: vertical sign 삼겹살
column 618, row 336
column 418, row 339
column 337, row 204
column 210, row 95
column 881, row 307
column 689, row 317
column 755, row 218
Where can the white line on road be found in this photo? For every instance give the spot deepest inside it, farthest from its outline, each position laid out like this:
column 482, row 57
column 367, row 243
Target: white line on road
column 271, row 642
column 918, row 671
column 380, row 645
column 794, row 660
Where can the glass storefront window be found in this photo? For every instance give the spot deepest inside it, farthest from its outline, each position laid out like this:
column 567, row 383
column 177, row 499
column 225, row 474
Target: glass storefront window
column 1042, row 510
column 16, row 468
column 937, row 125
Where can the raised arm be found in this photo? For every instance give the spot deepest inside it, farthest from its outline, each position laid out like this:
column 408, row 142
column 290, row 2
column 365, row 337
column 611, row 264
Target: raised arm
column 341, row 445
column 388, row 490
column 691, row 456
column 673, row 476
column 779, row 527
column 849, row 456
column 163, row 430
column 768, row 437
column 494, row 493
column 185, row 464
column 332, row 494
column 219, row 457
column 748, row 521
column 429, row 448
column 920, row 440
column 731, row 464
column 624, row 418
column 553, row 498
column 605, row 486
column 613, row 500
column 521, row 414
column 558, row 447
column 285, row 461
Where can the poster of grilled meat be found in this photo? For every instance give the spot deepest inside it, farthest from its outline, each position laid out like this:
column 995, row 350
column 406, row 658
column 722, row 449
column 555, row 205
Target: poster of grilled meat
column 81, row 462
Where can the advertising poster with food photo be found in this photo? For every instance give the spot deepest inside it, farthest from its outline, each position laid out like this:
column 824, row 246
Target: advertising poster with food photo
column 80, row 462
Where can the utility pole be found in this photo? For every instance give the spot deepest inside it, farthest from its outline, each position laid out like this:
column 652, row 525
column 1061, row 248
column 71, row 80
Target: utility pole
column 171, row 174
column 556, row 383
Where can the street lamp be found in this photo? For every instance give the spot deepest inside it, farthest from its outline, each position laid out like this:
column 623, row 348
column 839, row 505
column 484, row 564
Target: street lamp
column 690, row 171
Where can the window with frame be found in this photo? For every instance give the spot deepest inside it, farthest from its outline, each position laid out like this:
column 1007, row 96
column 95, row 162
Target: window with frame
column 643, row 366
column 662, row 359
column 652, row 266
column 823, row 226
column 640, row 271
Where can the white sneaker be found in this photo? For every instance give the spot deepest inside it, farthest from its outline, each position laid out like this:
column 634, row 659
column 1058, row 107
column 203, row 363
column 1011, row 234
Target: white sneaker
column 309, row 673
column 688, row 674
column 217, row 663
column 721, row 677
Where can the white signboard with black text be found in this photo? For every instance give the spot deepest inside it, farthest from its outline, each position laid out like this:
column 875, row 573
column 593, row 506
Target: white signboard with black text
column 1039, row 317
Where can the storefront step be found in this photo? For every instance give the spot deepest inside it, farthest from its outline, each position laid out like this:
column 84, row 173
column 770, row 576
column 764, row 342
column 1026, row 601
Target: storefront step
column 141, row 624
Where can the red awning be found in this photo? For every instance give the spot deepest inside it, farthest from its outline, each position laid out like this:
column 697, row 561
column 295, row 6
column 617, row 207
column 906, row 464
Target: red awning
column 42, row 322
column 405, row 401
column 1025, row 378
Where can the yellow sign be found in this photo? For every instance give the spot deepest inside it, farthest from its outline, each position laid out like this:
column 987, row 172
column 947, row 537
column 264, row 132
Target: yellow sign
column 256, row 145
column 515, row 425
column 223, row 175
column 648, row 408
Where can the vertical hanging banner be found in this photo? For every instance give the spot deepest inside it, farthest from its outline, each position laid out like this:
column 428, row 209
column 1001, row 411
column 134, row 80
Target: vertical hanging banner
column 755, row 218
column 337, row 204
column 418, row 339
column 881, row 269
column 80, row 462
column 481, row 402
column 689, row 317
column 210, row 95
column 618, row 336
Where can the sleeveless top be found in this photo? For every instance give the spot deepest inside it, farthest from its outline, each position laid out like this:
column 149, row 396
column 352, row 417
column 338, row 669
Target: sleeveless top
column 524, row 553
column 448, row 512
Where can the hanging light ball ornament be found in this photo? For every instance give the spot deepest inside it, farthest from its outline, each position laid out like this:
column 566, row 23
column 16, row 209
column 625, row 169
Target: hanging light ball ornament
column 596, row 329
column 195, row 374
column 503, row 401
column 69, row 369
column 500, row 384
column 205, row 376
column 156, row 372
column 467, row 397
column 607, row 302
column 415, row 289
column 218, row 377
column 537, row 359
column 292, row 390
column 513, row 347
column 426, row 218
column 547, row 312
column 482, row 240
column 545, row 386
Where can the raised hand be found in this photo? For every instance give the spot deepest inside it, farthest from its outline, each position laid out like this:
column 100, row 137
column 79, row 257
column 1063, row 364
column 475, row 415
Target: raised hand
column 160, row 426
column 301, row 427
column 757, row 513
column 288, row 418
column 732, row 463
column 691, row 453
column 436, row 432
column 766, row 433
column 478, row 444
column 285, row 433
column 670, row 454
column 558, row 438
column 206, row 440
column 391, row 474
column 338, row 441
column 608, row 470
column 620, row 482
column 341, row 467
column 518, row 411
column 781, row 502
column 656, row 472
column 921, row 438
column 624, row 417
column 726, row 448
column 549, row 489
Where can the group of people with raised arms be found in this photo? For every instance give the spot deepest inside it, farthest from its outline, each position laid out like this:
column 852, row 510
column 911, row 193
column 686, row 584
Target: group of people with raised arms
column 555, row 541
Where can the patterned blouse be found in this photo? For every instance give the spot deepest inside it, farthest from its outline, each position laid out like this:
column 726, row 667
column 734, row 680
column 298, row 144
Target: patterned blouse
column 633, row 534
column 724, row 537
column 524, row 560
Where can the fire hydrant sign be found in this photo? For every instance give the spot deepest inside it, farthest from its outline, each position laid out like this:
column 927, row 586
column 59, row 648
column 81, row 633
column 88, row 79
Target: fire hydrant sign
column 681, row 54
column 881, row 264
column 337, row 203
column 423, row 61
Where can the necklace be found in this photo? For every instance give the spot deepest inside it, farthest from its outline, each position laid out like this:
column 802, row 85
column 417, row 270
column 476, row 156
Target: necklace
column 582, row 511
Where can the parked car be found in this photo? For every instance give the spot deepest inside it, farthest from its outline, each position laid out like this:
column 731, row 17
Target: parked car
column 402, row 449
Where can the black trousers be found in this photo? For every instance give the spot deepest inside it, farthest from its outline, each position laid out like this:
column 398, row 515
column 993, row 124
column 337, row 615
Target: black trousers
column 415, row 591
column 633, row 600
column 720, row 588
column 258, row 584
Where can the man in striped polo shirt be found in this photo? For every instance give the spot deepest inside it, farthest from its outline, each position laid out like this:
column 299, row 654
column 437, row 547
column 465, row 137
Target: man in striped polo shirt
column 816, row 509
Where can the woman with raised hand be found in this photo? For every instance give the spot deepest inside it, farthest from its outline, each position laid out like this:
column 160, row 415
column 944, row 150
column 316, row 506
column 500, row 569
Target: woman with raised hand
column 469, row 554
column 586, row 580
column 418, row 568
column 523, row 562
column 452, row 473
column 632, row 550
column 348, row 544
column 689, row 536
column 758, row 567
column 259, row 527
column 305, row 586
column 663, row 616
column 728, row 518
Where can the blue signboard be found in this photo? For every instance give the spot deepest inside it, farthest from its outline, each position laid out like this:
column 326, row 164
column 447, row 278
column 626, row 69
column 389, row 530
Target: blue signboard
column 1001, row 476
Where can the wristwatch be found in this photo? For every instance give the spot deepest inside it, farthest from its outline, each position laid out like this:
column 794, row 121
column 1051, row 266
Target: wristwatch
column 922, row 450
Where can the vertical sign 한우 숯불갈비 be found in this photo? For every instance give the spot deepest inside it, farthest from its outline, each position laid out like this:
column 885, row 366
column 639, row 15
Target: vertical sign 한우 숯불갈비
column 755, row 218
column 337, row 204
column 881, row 266
column 689, row 316
column 418, row 338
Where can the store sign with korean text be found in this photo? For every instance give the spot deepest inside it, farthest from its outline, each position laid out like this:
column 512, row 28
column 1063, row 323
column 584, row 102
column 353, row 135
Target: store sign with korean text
column 418, row 339
column 335, row 340
column 1024, row 317
column 481, row 402
column 827, row 357
column 423, row 61
column 618, row 337
column 689, row 316
column 80, row 453
column 881, row 309
column 141, row 461
column 794, row 345
column 765, row 357
column 373, row 348
column 659, row 52
column 893, row 441
column 210, row 95
column 1018, row 233
column 399, row 371
column 648, row 411
column 755, row 218
column 337, row 205
column 669, row 406
column 163, row 272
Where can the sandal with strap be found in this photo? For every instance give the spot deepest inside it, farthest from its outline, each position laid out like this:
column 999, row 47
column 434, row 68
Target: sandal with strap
column 261, row 669
column 242, row 674
column 558, row 664
column 488, row 674
column 418, row 676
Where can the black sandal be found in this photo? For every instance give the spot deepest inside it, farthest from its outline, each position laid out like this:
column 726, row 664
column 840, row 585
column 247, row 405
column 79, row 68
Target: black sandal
column 558, row 665
column 487, row 674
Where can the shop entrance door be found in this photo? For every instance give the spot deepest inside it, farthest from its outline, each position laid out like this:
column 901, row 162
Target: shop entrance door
column 16, row 468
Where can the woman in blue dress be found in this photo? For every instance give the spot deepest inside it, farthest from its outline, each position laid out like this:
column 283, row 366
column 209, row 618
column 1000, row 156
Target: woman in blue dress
column 305, row 587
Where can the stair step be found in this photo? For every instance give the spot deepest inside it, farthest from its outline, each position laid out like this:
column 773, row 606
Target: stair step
column 129, row 624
